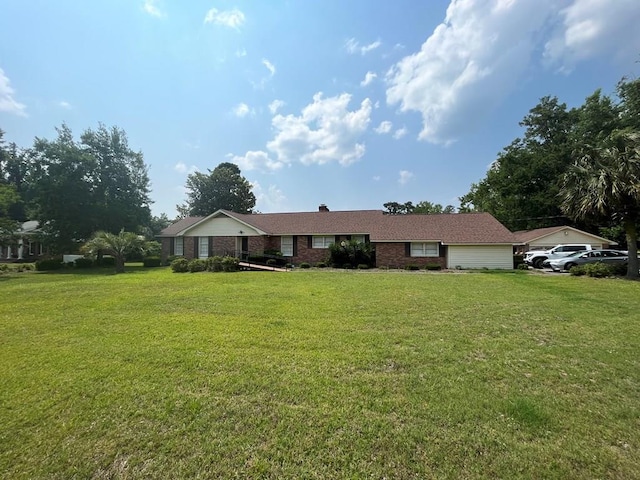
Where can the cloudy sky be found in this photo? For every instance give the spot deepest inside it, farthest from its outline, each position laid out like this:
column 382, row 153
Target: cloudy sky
column 349, row 103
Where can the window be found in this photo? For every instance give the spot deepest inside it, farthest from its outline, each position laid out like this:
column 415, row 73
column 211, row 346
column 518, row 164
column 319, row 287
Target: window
column 203, row 243
column 323, row 241
column 286, row 246
column 424, row 249
column 358, row 238
column 178, row 246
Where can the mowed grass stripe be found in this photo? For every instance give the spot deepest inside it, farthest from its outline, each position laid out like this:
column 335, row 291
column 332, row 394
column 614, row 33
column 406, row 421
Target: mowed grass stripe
column 318, row 375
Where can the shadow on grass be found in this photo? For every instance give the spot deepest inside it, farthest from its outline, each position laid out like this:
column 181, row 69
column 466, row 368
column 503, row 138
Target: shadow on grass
column 135, row 269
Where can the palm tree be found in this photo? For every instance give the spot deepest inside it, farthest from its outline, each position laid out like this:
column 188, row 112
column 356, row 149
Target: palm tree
column 606, row 182
column 117, row 245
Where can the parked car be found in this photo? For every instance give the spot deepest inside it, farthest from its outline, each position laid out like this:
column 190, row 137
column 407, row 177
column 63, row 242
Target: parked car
column 593, row 256
column 536, row 258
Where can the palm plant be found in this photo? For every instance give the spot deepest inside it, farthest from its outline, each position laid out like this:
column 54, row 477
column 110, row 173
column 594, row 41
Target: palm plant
column 606, row 182
column 116, row 245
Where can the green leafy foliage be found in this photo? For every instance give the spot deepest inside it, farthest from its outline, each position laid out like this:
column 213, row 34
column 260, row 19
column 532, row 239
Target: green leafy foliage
column 197, row 265
column 152, row 261
column 83, row 263
column 305, row 265
column 180, row 265
column 351, row 253
column 47, row 264
column 222, row 188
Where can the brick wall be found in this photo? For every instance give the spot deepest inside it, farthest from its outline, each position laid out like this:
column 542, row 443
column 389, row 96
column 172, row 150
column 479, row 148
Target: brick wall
column 393, row 255
column 309, row 255
column 165, row 250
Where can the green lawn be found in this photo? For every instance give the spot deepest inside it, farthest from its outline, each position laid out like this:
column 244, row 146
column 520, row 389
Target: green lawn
column 317, row 374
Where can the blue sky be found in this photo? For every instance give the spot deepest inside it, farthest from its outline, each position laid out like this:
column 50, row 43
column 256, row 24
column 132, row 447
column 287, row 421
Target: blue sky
column 351, row 104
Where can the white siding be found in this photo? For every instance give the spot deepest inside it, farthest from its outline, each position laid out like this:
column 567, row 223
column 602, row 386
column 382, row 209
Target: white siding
column 480, row 256
column 566, row 236
column 222, row 227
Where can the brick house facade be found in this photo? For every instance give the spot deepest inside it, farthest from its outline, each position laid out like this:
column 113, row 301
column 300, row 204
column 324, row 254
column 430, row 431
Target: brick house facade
column 475, row 240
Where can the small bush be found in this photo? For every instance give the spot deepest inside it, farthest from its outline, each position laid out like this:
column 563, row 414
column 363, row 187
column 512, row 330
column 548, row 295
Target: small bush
column 522, row 266
column 598, row 270
column 83, row 263
column 433, row 266
column 197, row 265
column 4, row 267
column 305, row 265
column 347, row 266
column 321, row 265
column 577, row 271
column 214, row 264
column 363, row 266
column 48, row 264
column 517, row 261
column 272, row 262
column 411, row 267
column 619, row 269
column 230, row 264
column 171, row 258
column 180, row 265
column 151, row 261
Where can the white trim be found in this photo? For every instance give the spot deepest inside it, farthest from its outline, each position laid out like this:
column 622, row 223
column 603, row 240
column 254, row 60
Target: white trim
column 325, row 243
column 203, row 247
column 424, row 250
column 175, row 246
column 286, row 249
column 216, row 214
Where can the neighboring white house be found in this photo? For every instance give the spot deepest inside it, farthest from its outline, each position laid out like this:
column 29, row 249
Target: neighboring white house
column 545, row 238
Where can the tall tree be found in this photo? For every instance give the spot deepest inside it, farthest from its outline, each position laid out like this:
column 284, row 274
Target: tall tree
column 606, row 182
column 395, row 208
column 433, row 208
column 224, row 187
column 521, row 186
column 80, row 188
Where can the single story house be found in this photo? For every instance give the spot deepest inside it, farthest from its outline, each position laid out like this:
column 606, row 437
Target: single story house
column 26, row 244
column 546, row 238
column 460, row 240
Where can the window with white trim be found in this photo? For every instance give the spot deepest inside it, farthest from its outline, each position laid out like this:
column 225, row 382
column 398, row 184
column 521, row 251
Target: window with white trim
column 425, row 249
column 323, row 241
column 178, row 246
column 358, row 238
column 203, row 243
column 286, row 246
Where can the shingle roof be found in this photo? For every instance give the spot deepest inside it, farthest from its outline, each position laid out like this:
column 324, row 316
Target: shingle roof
column 457, row 228
column 526, row 236
column 178, row 226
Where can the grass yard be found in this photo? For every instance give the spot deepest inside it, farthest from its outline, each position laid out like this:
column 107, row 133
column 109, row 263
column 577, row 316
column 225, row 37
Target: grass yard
column 316, row 374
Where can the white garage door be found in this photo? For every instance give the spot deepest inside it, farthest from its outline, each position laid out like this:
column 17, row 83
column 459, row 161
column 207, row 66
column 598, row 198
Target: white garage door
column 480, row 256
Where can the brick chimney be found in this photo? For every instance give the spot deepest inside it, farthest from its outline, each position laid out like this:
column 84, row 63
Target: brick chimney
column 323, row 208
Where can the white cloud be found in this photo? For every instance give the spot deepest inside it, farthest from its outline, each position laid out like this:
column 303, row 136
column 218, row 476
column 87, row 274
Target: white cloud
column 470, row 62
column 269, row 66
column 7, row 102
column 181, row 167
column 479, row 54
column 255, row 160
column 241, row 53
column 270, row 200
column 384, row 127
column 151, row 7
column 399, row 133
column 242, row 110
column 405, row 176
column 275, row 106
column 326, row 131
column 368, row 78
column 64, row 104
column 353, row 46
column 595, row 27
column 229, row 18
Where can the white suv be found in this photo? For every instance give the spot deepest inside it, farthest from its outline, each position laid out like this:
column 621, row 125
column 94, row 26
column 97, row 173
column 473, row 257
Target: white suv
column 536, row 258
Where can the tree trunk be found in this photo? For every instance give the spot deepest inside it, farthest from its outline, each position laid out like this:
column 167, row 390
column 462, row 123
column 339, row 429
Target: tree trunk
column 632, row 246
column 119, row 263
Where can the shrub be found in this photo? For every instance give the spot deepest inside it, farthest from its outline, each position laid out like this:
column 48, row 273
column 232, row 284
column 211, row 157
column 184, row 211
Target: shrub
column 305, row 265
column 433, row 266
column 4, row 267
column 230, row 264
column 351, row 252
column 321, row 265
column 577, row 270
column 214, row 264
column 619, row 269
column 171, row 258
column 272, row 262
column 197, row 265
column 347, row 266
column 151, row 261
column 180, row 265
column 47, row 264
column 522, row 266
column 83, row 263
column 411, row 267
column 363, row 266
column 598, row 270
